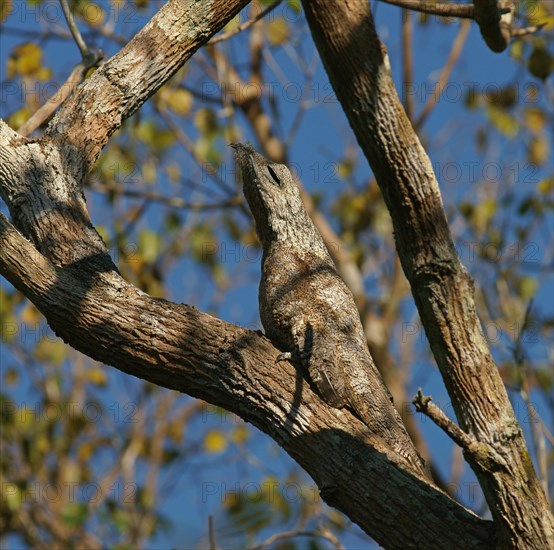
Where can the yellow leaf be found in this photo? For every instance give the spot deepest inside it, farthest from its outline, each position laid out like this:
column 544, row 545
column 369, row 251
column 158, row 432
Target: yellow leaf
column 546, row 186
column 180, row 101
column 215, row 441
column 538, row 150
column 149, row 172
column 30, row 315
column 240, row 434
column 12, row 495
column 504, row 122
column 48, row 350
column 41, row 443
column 71, row 472
column 175, row 432
column 86, row 450
column 277, row 31
column 206, row 121
column 28, row 59
column 11, row 377
column 539, row 15
column 43, row 74
column 483, row 213
column 527, row 287
column 19, row 118
column 97, row 376
column 535, row 119
column 92, row 13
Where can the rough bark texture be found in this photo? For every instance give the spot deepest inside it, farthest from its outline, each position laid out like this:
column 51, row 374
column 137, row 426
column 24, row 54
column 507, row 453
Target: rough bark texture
column 358, row 69
column 54, row 256
column 308, row 311
column 178, row 347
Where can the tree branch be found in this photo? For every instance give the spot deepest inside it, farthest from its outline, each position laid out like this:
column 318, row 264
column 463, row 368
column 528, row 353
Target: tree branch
column 74, row 29
column 245, row 25
column 55, row 257
column 494, row 18
column 116, row 90
column 445, row 73
column 480, row 452
column 359, row 71
column 494, row 25
column 178, row 347
column 460, row 11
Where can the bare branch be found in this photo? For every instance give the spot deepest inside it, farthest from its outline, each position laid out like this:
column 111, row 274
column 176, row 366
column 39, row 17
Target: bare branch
column 446, row 71
column 127, row 80
column 495, row 25
column 481, row 452
column 175, row 202
column 83, row 48
column 73, row 80
column 461, row 11
column 518, row 33
column 245, row 25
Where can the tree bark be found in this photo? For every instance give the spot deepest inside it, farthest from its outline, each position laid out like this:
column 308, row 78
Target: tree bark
column 359, row 71
column 54, row 256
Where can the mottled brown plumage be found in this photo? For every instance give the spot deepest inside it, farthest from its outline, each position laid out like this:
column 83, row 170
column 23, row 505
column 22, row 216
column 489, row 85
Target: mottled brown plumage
column 306, row 308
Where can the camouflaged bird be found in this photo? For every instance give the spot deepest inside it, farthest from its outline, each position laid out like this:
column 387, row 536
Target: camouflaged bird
column 306, row 308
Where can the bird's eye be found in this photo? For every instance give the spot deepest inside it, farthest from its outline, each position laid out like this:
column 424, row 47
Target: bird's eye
column 274, row 175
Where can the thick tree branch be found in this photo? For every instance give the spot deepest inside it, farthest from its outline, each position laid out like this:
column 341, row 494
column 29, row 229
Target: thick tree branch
column 359, row 71
column 116, row 90
column 175, row 346
column 495, row 27
column 55, row 257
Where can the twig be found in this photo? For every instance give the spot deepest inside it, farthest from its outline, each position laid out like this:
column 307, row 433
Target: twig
column 89, row 58
column 45, row 111
column 83, row 48
column 527, row 30
column 175, row 202
column 455, row 52
column 245, row 25
column 211, row 533
column 525, row 393
column 480, row 451
column 292, row 534
column 461, row 11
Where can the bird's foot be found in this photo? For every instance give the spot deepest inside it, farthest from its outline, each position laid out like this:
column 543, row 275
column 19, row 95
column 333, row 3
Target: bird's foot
column 285, row 356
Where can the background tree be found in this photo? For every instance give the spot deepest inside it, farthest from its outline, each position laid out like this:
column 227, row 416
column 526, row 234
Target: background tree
column 80, row 447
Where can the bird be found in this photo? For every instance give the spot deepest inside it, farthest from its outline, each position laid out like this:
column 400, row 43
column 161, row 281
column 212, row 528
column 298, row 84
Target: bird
column 307, row 310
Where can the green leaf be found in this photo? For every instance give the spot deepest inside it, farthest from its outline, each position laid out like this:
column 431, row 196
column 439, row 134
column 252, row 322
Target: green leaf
column 540, row 62
column 149, row 245
column 527, row 287
column 74, row 514
column 504, row 123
